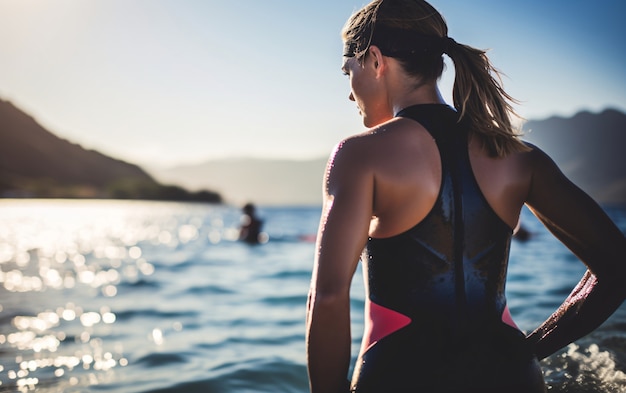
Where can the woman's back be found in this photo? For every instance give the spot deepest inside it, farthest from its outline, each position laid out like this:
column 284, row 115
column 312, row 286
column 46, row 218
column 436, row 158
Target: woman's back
column 406, row 163
column 438, row 287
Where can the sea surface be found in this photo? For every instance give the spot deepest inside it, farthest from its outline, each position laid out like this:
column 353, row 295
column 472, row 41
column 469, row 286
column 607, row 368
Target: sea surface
column 132, row 297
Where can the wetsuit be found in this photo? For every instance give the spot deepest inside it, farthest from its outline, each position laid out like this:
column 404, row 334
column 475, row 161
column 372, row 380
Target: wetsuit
column 436, row 314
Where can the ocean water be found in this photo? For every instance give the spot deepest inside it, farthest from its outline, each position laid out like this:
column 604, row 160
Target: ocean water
column 127, row 296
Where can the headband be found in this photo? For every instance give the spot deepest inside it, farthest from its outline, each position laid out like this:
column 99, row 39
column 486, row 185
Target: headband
column 394, row 42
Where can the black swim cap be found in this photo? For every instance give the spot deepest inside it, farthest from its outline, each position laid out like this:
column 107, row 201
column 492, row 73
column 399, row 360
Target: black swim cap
column 396, row 42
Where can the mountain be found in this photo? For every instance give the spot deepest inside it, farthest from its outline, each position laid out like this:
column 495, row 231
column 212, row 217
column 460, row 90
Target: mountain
column 269, row 182
column 36, row 163
column 588, row 148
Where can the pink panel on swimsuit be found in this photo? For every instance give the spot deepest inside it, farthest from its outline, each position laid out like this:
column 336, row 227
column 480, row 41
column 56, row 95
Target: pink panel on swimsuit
column 379, row 323
column 507, row 318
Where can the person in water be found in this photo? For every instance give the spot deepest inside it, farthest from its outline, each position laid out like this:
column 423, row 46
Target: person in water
column 250, row 230
column 427, row 198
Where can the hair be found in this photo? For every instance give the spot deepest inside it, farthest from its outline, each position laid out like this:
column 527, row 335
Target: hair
column 477, row 94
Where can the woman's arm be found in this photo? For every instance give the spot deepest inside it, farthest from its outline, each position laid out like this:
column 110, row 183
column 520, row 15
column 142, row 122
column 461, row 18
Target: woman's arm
column 581, row 224
column 343, row 231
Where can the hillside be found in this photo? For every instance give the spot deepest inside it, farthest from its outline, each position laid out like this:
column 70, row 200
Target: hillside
column 36, row 163
column 587, row 146
column 273, row 182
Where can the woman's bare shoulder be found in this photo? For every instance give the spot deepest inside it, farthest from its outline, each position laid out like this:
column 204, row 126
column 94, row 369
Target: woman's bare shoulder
column 538, row 160
column 363, row 144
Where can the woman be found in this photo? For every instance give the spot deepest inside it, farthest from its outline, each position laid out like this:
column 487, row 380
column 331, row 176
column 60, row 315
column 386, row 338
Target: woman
column 432, row 194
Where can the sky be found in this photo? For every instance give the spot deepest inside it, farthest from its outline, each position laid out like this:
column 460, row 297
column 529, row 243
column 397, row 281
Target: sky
column 163, row 83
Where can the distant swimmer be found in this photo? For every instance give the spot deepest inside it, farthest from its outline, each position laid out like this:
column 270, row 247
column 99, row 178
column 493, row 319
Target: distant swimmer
column 250, row 230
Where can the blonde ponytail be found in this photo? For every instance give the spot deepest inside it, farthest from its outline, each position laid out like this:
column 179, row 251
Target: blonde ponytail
column 482, row 102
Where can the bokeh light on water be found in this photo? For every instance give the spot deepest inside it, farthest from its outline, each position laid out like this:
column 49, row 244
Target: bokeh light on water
column 60, row 263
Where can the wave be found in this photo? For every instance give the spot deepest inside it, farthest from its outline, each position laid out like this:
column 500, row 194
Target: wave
column 285, row 300
column 142, row 313
column 289, row 274
column 141, row 283
column 174, row 266
column 161, row 359
column 250, row 376
column 584, row 370
column 209, row 290
column 277, row 341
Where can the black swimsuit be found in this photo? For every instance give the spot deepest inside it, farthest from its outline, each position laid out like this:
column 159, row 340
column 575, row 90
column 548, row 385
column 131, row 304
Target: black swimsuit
column 436, row 314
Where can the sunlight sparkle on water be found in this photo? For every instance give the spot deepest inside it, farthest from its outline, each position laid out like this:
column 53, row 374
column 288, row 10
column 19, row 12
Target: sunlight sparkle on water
column 92, row 250
column 52, row 246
